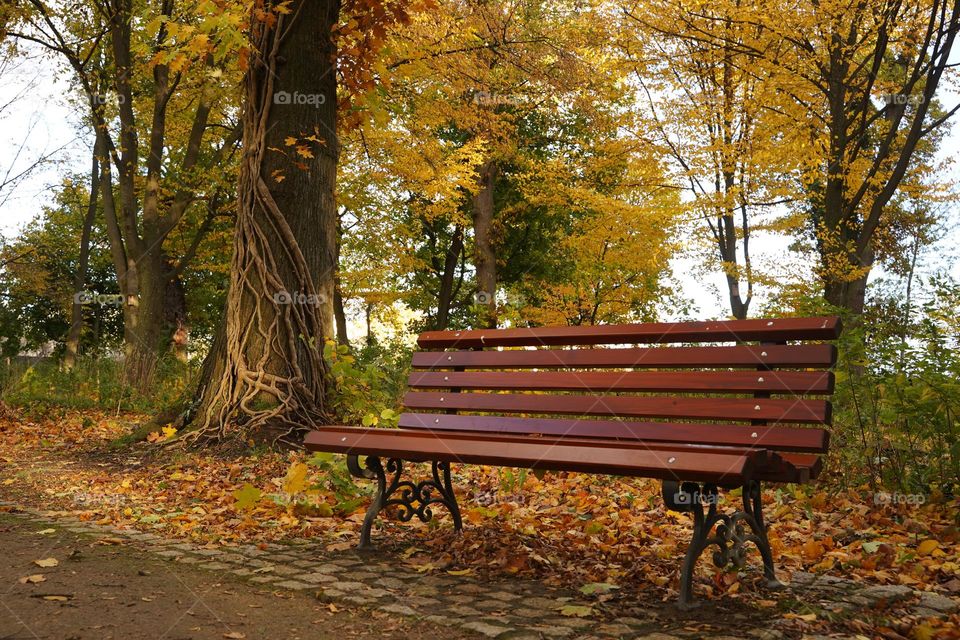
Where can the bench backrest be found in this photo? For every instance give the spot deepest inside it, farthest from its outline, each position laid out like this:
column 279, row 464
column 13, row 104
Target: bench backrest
column 712, row 382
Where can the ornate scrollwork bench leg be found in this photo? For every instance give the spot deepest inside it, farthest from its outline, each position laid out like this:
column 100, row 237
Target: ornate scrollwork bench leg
column 412, row 499
column 732, row 530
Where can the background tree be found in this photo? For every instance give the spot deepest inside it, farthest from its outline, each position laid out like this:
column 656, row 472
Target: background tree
column 136, row 66
column 858, row 78
column 710, row 112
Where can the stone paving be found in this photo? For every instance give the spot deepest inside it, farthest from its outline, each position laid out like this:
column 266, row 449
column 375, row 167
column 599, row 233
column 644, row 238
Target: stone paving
column 514, row 609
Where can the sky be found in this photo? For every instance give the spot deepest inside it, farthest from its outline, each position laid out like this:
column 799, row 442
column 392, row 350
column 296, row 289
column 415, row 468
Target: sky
column 37, row 121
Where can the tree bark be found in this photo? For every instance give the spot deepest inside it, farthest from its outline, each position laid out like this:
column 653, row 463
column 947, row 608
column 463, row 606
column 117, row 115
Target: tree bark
column 448, row 279
column 80, row 277
column 485, row 258
column 269, row 378
column 175, row 313
column 341, row 316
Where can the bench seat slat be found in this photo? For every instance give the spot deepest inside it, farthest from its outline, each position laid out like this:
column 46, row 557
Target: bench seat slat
column 421, row 446
column 799, row 356
column 802, row 440
column 786, row 410
column 794, row 382
column 760, row 330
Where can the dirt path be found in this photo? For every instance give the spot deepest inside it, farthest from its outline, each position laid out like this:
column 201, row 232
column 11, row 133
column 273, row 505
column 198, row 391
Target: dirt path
column 113, row 591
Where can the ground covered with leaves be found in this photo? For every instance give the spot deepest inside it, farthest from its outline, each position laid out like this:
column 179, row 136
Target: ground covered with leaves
column 603, row 534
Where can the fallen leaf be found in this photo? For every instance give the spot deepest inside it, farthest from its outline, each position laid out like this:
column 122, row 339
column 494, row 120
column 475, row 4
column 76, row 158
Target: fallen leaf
column 234, row 635
column 34, row 579
column 296, row 479
column 597, row 587
column 927, row 547
column 46, row 562
column 576, row 610
column 246, row 497
column 923, row 632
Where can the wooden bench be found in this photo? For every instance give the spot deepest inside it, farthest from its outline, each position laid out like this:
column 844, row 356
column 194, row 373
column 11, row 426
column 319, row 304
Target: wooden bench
column 715, row 405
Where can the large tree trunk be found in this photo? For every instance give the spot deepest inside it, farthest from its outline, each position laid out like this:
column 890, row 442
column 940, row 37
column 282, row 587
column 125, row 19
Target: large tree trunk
column 269, row 377
column 485, row 258
column 145, row 332
column 80, row 277
column 848, row 293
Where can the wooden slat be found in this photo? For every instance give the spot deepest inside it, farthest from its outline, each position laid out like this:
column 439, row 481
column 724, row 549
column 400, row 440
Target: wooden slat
column 760, row 456
column 716, row 467
column 808, row 440
column 767, row 330
column 786, row 410
column 812, row 464
column 796, row 356
column 794, row 382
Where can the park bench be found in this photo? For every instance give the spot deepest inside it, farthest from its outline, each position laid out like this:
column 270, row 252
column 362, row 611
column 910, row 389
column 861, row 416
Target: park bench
column 702, row 406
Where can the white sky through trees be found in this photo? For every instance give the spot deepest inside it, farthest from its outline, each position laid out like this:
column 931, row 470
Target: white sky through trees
column 37, row 121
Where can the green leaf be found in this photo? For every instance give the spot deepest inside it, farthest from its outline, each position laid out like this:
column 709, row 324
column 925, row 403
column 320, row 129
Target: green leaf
column 871, row 547
column 597, row 587
column 247, row 497
column 348, row 506
column 576, row 611
column 369, row 420
column 320, row 459
column 594, row 528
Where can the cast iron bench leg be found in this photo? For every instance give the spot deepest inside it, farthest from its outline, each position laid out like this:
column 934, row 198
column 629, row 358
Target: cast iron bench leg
column 411, row 499
column 730, row 534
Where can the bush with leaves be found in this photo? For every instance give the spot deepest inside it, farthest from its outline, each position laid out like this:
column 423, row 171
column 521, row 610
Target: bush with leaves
column 370, row 384
column 898, row 392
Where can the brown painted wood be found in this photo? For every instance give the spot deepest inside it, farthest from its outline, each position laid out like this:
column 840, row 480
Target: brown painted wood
column 812, row 464
column 790, row 356
column 784, row 410
column 766, row 465
column 693, row 465
column 760, row 456
column 769, row 330
column 780, row 438
column 793, row 382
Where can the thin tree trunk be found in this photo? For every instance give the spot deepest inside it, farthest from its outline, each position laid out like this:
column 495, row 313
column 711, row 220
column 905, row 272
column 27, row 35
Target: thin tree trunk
column 341, row 315
column 80, row 277
column 175, row 314
column 269, row 378
column 485, row 258
column 448, row 279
